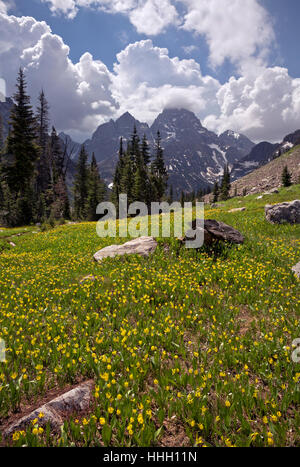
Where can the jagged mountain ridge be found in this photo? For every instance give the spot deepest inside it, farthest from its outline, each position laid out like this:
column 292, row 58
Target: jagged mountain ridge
column 194, row 156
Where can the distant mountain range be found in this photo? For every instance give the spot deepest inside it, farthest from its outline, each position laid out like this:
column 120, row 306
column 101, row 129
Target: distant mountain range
column 195, row 157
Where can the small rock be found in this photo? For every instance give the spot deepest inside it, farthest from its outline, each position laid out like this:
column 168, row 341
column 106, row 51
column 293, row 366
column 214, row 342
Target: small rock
column 237, row 210
column 76, row 400
column 296, row 270
column 142, row 246
column 12, row 244
column 260, row 197
column 273, row 191
column 283, row 212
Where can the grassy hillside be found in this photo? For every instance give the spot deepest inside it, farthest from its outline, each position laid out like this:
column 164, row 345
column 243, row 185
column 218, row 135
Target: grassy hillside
column 185, row 348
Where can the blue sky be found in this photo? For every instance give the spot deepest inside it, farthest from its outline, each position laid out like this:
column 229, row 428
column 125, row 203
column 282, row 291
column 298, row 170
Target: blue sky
column 104, row 35
column 243, row 60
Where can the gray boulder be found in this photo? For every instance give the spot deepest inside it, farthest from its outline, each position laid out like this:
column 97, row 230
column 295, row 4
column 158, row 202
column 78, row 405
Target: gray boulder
column 296, row 270
column 142, row 246
column 283, row 212
column 76, row 400
column 215, row 231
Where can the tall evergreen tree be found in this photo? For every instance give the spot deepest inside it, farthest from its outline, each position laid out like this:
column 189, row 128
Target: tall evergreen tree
column 182, row 198
column 141, row 181
column 116, row 190
column 96, row 190
column 134, row 146
column 43, row 167
column 145, row 151
column 127, row 177
column 216, row 192
column 80, row 187
column 171, row 195
column 286, row 177
column 225, row 184
column 159, row 169
column 22, row 147
column 56, row 157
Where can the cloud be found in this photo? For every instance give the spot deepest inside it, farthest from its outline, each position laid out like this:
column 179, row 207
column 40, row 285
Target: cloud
column 3, row 7
column 235, row 30
column 79, row 94
column 146, row 80
column 265, row 107
column 149, row 17
column 265, row 104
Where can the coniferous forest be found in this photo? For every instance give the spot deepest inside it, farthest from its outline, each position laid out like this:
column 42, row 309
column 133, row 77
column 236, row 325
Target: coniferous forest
column 35, row 161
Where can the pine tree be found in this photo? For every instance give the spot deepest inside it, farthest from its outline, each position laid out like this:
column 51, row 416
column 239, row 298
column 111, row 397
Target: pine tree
column 96, row 190
column 22, row 147
column 56, row 157
column 134, row 146
column 60, row 208
column 225, row 184
column 159, row 169
column 80, row 187
column 116, row 190
column 140, row 185
column 182, row 198
column 200, row 194
column 286, row 177
column 171, row 195
column 57, row 195
column 127, row 176
column 216, row 192
column 43, row 168
column 145, row 151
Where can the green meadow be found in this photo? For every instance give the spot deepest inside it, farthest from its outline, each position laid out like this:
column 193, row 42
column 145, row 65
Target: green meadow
column 185, row 348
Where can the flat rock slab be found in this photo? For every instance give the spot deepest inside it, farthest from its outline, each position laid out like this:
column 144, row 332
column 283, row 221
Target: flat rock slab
column 215, row 231
column 143, row 246
column 76, row 400
column 283, row 212
column 296, row 270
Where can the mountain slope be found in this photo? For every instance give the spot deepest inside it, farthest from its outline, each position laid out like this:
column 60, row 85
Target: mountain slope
column 269, row 175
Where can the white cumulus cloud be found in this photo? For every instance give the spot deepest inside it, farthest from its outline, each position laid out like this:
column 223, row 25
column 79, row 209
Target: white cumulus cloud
column 265, row 107
column 146, row 80
column 237, row 30
column 79, row 94
column 149, row 17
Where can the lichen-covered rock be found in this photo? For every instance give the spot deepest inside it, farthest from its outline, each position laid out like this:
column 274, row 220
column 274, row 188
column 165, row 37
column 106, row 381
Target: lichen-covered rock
column 296, row 270
column 143, row 246
column 283, row 212
column 76, row 400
